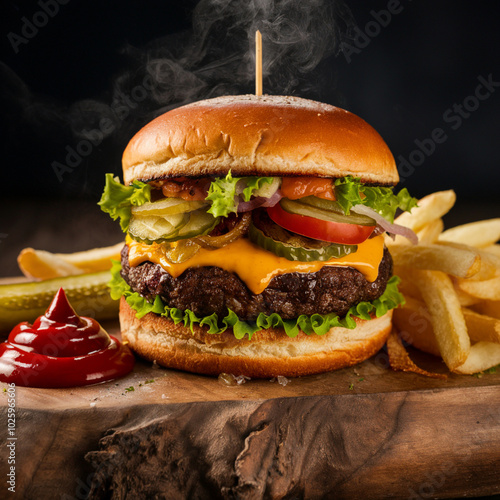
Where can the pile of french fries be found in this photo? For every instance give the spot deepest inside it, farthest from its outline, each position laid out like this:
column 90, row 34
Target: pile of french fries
column 451, row 282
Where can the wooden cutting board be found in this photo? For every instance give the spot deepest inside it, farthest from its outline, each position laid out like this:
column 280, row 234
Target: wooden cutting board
column 363, row 432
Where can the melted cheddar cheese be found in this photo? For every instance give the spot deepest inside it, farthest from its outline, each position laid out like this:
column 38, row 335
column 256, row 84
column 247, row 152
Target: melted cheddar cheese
column 256, row 266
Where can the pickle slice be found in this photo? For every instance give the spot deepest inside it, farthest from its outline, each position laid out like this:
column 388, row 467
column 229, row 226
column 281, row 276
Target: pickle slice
column 200, row 223
column 170, row 228
column 301, row 254
column 168, row 206
column 87, row 293
column 321, row 203
column 151, row 228
column 299, row 208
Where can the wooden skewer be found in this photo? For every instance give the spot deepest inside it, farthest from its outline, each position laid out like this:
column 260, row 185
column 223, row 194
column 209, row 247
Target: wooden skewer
column 258, row 63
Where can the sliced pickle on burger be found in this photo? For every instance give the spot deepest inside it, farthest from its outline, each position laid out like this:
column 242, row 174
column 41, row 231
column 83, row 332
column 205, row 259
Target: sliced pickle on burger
column 200, row 223
column 151, row 228
column 154, row 228
column 303, row 254
column 168, row 206
column 298, row 207
column 321, row 203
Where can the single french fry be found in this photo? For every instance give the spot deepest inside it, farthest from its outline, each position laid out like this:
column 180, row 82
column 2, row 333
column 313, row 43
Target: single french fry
column 94, row 260
column 493, row 250
column 458, row 262
column 482, row 356
column 430, row 232
column 489, row 264
column 42, row 265
column 429, row 208
column 487, row 289
column 407, row 287
column 465, row 299
column 39, row 264
column 479, row 234
column 482, row 327
column 488, row 307
column 413, row 322
column 401, row 361
column 446, row 315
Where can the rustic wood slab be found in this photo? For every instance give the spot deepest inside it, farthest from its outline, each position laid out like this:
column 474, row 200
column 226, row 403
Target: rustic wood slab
column 363, row 432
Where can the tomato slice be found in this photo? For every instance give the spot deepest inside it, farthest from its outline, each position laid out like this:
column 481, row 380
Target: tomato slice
column 334, row 232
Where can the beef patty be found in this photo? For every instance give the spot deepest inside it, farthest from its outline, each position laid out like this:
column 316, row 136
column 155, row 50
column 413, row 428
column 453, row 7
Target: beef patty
column 205, row 290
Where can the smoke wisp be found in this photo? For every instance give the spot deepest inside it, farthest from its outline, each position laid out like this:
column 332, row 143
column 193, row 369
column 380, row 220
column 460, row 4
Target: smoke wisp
column 216, row 57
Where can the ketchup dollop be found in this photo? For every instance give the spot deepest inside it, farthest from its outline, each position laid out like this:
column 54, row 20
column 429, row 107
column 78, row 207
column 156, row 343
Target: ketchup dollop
column 62, row 349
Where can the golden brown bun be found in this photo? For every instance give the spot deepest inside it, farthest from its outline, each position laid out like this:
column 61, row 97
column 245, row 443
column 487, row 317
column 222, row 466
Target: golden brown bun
column 270, row 352
column 258, row 135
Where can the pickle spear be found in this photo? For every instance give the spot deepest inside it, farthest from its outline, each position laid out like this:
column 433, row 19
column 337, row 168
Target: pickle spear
column 88, row 294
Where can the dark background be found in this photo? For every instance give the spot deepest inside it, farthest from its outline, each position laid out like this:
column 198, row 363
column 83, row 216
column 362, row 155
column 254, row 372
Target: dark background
column 403, row 74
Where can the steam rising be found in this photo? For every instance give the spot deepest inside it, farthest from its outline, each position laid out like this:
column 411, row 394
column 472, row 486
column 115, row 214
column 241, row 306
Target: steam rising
column 215, row 58
column 218, row 57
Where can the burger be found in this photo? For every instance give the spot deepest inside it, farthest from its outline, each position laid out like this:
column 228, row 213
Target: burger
column 255, row 237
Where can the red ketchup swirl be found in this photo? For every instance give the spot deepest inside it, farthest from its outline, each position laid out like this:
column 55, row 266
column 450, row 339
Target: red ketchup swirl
column 62, row 349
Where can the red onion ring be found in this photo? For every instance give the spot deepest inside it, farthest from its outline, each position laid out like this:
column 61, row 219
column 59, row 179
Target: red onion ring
column 385, row 224
column 259, row 201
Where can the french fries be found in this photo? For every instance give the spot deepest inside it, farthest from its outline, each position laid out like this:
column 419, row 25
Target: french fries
column 482, row 327
column 430, row 232
column 430, row 208
column 42, row 265
column 415, row 324
column 487, row 289
column 400, row 360
column 482, row 356
column 458, row 262
column 446, row 315
column 451, row 282
column 493, row 250
column 488, row 307
column 479, row 234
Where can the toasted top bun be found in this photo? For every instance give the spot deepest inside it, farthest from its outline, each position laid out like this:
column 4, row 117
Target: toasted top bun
column 258, row 135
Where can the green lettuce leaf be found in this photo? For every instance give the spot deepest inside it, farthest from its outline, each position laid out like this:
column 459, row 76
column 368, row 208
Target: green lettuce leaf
column 318, row 324
column 223, row 194
column 348, row 191
column 254, row 184
column 117, row 199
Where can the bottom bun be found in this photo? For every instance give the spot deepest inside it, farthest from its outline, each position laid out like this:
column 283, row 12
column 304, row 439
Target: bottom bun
column 269, row 353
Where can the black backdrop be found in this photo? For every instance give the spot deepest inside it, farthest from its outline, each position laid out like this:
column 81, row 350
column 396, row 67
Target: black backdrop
column 411, row 69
